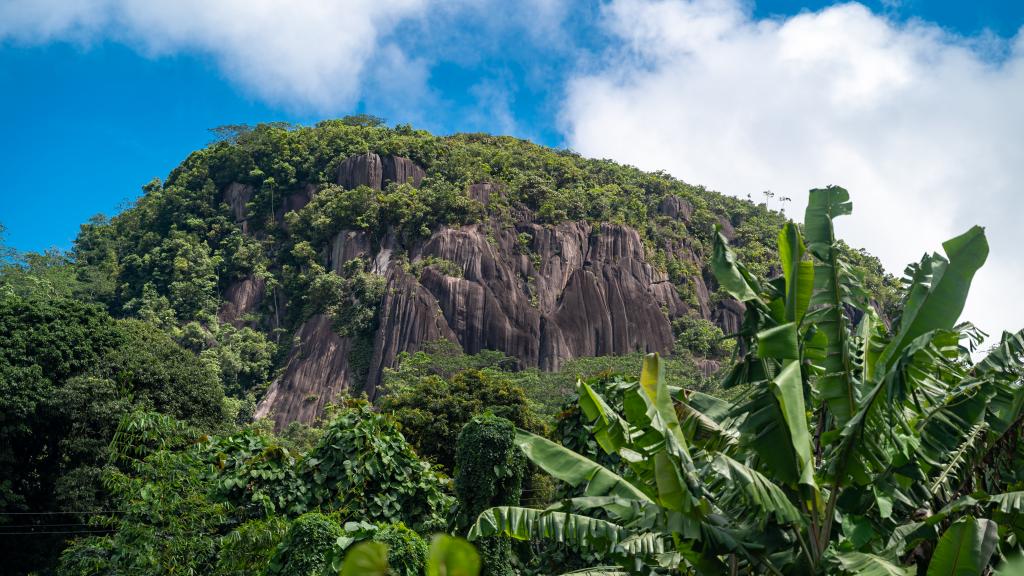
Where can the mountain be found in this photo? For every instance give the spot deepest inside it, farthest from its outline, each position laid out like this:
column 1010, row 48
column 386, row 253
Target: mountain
column 305, row 260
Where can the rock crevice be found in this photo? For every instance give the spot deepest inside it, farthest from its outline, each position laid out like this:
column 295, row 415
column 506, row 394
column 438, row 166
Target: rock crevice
column 540, row 293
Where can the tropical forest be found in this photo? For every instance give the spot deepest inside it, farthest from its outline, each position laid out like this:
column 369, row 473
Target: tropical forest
column 355, row 348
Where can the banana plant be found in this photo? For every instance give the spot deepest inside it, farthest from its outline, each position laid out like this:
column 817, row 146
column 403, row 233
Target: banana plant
column 864, row 445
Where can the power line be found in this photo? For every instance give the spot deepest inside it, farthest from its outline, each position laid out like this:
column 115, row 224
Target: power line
column 7, row 526
column 60, row 512
column 55, row 532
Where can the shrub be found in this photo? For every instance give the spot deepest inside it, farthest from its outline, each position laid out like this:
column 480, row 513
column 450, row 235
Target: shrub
column 489, row 472
column 407, row 551
column 363, row 466
column 307, row 547
column 433, row 410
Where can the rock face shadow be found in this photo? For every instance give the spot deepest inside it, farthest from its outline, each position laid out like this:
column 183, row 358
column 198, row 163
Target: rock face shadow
column 540, row 293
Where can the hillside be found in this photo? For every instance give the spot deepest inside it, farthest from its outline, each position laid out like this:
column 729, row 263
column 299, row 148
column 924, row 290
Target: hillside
column 306, row 260
column 181, row 392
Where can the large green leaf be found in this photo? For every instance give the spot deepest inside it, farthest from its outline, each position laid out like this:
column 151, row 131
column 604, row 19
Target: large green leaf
column 450, row 556
column 609, row 429
column 823, row 206
column 574, row 469
column 879, row 432
column 665, row 422
column 873, row 340
column 366, row 559
column 1006, row 358
column 799, row 273
column 622, row 511
column 779, row 342
column 965, row 548
column 939, row 290
column 838, row 387
column 789, row 393
column 754, row 490
column 862, row 564
column 1009, row 502
column 573, row 529
column 731, row 275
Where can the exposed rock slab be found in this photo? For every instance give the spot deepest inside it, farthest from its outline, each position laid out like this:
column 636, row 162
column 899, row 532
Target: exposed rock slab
column 315, row 374
column 375, row 171
column 237, row 196
column 675, row 207
column 242, row 298
column 542, row 294
column 409, row 317
column 402, row 170
column 348, row 245
column 483, row 191
column 298, row 199
column 362, row 170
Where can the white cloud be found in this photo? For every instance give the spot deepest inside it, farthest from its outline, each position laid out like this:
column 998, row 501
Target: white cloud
column 314, row 55
column 923, row 127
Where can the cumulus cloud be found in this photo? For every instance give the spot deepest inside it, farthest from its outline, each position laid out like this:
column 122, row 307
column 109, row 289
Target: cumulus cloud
column 922, row 126
column 315, row 55
column 323, row 57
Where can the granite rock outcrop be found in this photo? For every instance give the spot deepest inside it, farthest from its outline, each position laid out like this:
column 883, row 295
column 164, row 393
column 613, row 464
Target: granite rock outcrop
column 540, row 293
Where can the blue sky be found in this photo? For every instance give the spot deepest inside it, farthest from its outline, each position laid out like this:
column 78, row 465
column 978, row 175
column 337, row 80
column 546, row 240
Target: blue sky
column 913, row 104
column 87, row 124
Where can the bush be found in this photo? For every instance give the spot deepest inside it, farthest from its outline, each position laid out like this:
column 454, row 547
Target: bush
column 701, row 337
column 363, row 467
column 432, row 410
column 407, row 551
column 306, row 549
column 489, row 472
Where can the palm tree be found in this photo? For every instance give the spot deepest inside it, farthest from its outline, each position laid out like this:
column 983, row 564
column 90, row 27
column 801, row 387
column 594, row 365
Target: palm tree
column 857, row 448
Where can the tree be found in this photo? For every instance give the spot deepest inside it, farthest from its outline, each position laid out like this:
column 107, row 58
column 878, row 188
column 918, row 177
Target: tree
column 306, row 548
column 857, row 450
column 489, row 472
column 364, row 466
column 433, row 410
column 68, row 373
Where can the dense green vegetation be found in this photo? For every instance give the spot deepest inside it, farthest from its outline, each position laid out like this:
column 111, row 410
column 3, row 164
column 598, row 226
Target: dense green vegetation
column 859, row 449
column 173, row 254
column 129, row 447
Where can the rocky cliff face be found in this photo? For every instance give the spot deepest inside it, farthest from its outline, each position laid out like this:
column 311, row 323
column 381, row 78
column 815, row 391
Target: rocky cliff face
column 540, row 293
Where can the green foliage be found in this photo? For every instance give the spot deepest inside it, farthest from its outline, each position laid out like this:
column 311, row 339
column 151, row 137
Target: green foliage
column 248, row 549
column 432, row 403
column 243, row 356
column 446, row 267
column 334, row 209
column 447, row 557
column 219, row 505
column 397, row 550
column 701, row 337
column 68, row 373
column 366, row 558
column 46, row 275
column 349, row 298
column 306, row 548
column 850, row 451
column 164, row 523
column 363, row 466
column 489, row 472
column 256, row 474
column 407, row 551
